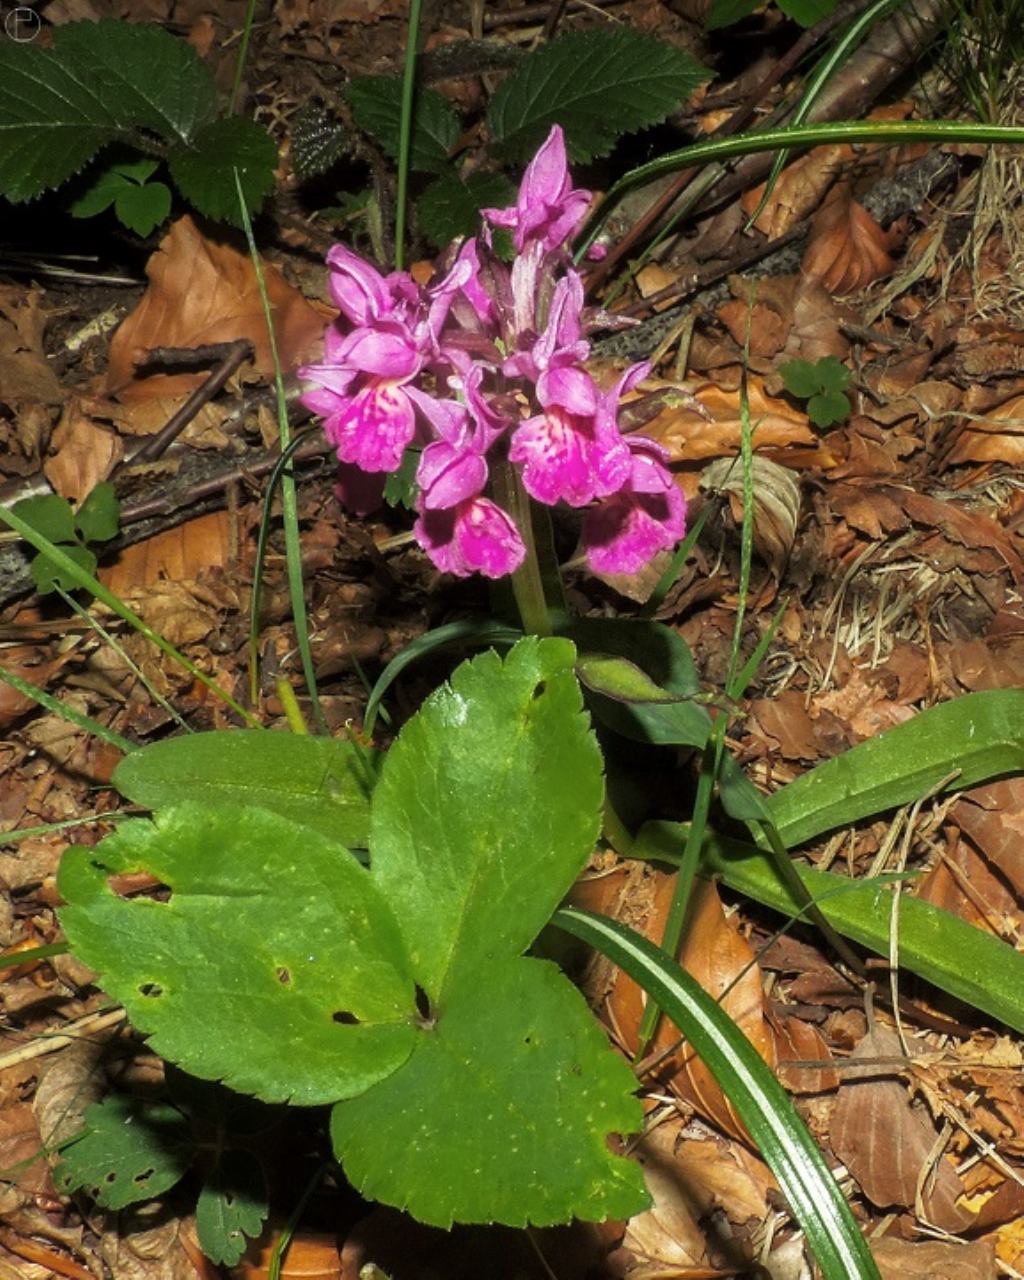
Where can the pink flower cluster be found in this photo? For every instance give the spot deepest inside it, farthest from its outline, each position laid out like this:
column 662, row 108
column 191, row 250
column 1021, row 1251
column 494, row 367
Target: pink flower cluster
column 501, row 350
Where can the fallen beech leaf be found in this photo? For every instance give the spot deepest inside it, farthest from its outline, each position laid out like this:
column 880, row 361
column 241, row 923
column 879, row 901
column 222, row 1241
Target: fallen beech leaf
column 668, row 1234
column 27, row 662
column 934, row 1259
column 776, row 504
column 992, row 816
column 886, row 1140
column 204, row 291
column 26, row 376
column 799, row 190
column 847, row 248
column 176, row 554
column 996, row 436
column 83, row 453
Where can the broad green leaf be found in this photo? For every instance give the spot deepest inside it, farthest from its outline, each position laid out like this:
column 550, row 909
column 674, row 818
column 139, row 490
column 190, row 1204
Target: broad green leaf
column 828, row 408
column 952, row 746
column 967, row 962
column 376, row 103
column 723, row 13
column 129, row 1150
column 46, row 574
column 760, row 1101
column 276, row 965
column 321, row 782
column 487, row 809
column 49, row 515
column 232, row 1205
column 98, row 516
column 450, row 206
column 100, row 82
column 204, row 167
column 597, row 85
column 142, row 209
column 801, row 378
column 108, row 185
column 501, row 1113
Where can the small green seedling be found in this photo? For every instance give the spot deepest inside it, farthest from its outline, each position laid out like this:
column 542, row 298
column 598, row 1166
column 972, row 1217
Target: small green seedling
column 823, row 385
column 96, row 520
column 140, row 205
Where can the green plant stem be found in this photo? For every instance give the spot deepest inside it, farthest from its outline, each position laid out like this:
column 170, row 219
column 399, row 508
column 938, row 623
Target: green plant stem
column 289, row 501
column 243, row 50
column 405, row 129
column 793, row 139
column 34, row 953
column 531, row 584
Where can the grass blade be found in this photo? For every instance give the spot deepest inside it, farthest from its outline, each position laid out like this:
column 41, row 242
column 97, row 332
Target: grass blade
column 760, row 1101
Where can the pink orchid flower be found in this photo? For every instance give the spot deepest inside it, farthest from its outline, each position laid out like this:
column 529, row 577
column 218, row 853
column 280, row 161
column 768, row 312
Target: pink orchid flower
column 474, row 536
column 547, row 210
column 646, row 516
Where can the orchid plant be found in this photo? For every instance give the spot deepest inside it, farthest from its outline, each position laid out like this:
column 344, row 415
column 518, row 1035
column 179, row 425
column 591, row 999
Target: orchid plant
column 485, row 370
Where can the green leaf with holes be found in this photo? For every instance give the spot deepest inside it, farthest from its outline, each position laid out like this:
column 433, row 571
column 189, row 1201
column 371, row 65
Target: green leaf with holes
column 129, row 1150
column 401, row 993
column 273, row 935
column 232, row 1206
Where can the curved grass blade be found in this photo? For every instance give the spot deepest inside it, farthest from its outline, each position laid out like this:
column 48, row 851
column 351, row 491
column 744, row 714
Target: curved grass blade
column 760, row 1101
column 471, row 631
column 76, row 574
column 59, row 708
column 808, row 135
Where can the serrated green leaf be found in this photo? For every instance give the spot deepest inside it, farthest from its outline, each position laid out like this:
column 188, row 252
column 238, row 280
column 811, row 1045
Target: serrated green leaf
column 49, row 515
column 320, row 782
column 318, row 141
column 953, row 746
column 807, row 12
column 723, row 13
column 501, row 1113
column 203, row 169
column 98, row 517
column 142, row 209
column 130, row 1150
column 100, row 82
column 800, row 378
column 47, row 576
column 232, row 1205
column 597, row 85
column 450, row 207
column 275, row 965
column 101, row 194
column 487, row 809
column 376, row 103
column 827, row 408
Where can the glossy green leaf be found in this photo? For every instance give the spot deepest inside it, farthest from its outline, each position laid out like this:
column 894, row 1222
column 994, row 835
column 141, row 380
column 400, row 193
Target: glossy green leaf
column 597, row 85
column 49, row 515
column 760, row 1101
column 807, row 12
column 98, row 516
column 100, row 82
column 487, row 809
column 376, row 103
column 951, row 746
column 724, row 13
column 272, row 936
column 503, row 1111
column 142, row 209
column 204, row 167
column 321, row 782
column 47, row 575
column 450, row 206
column 620, row 680
column 129, row 1150
column 232, row 1206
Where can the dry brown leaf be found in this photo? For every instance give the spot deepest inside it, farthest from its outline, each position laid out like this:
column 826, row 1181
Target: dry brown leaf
column 778, row 426
column 82, row 453
column 764, row 327
column 993, row 817
column 776, row 504
column 204, row 291
column 28, row 662
column 887, row 1141
column 25, row 373
column 934, row 1259
column 988, row 664
column 176, row 554
column 668, row 1234
column 847, row 249
column 311, row 1255
column 995, row 436
column 799, row 189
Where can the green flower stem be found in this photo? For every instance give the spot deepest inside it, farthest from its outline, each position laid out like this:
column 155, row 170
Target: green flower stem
column 405, row 130
column 536, row 584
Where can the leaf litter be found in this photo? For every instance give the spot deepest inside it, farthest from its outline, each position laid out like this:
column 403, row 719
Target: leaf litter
column 902, row 580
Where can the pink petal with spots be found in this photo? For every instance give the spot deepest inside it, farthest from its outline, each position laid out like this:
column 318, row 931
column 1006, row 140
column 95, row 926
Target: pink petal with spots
column 375, row 429
column 475, row 537
column 627, row 530
column 555, row 456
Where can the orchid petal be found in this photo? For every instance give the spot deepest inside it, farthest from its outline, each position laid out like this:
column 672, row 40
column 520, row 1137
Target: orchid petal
column 375, row 428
